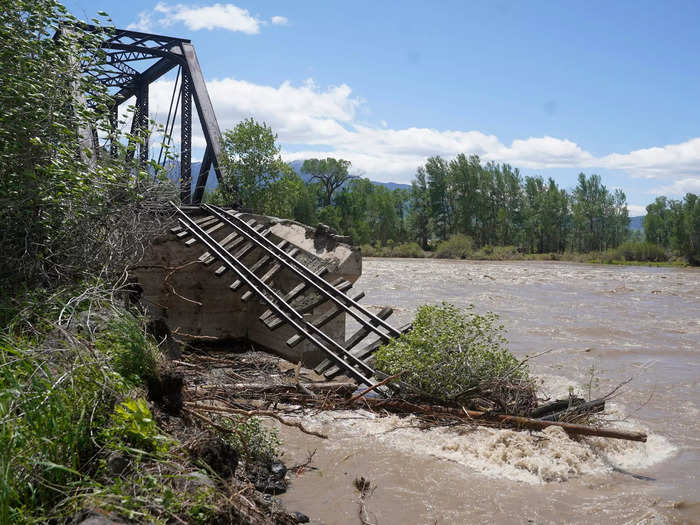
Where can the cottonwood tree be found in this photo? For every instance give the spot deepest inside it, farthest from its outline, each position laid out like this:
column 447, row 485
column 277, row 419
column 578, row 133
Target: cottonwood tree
column 250, row 164
column 331, row 173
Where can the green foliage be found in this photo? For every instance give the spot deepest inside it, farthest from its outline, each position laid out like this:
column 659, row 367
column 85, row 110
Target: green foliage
column 133, row 425
column 640, row 251
column 331, row 174
column 407, row 249
column 450, row 351
column 64, row 206
column 250, row 437
column 251, row 163
column 675, row 224
column 133, row 354
column 54, row 394
column 456, row 247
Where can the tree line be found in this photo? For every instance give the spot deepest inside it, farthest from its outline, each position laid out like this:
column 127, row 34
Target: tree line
column 675, row 224
column 491, row 203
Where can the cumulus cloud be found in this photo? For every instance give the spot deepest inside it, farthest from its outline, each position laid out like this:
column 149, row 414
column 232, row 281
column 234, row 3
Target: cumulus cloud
column 678, row 188
column 215, row 16
column 143, row 23
column 671, row 161
column 313, row 122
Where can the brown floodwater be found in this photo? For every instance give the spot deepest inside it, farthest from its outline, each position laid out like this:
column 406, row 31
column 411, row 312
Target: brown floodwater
column 619, row 321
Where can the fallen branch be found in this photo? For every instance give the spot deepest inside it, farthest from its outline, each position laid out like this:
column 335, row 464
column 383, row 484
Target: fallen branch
column 245, row 389
column 516, row 421
column 250, row 413
column 377, row 385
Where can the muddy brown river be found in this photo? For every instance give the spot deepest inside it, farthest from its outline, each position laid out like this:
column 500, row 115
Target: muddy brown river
column 620, row 322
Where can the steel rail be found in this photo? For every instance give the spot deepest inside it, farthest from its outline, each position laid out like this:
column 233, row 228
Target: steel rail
column 307, row 276
column 254, row 283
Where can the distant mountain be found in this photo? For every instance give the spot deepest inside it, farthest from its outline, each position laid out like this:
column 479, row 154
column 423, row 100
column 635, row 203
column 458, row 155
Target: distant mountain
column 174, row 174
column 637, row 223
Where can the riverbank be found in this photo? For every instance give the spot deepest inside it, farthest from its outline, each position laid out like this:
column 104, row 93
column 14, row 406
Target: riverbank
column 510, row 253
column 96, row 428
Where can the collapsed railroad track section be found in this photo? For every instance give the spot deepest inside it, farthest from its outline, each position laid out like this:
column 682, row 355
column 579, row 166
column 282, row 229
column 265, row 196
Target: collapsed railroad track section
column 240, row 238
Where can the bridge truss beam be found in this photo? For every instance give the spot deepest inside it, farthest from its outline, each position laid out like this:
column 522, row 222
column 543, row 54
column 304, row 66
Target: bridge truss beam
column 121, row 70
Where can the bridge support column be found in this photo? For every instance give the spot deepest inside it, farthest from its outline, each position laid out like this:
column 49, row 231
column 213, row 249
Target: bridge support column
column 142, row 124
column 186, row 138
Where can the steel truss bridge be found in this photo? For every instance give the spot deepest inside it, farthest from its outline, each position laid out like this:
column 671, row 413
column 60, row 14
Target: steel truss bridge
column 132, row 61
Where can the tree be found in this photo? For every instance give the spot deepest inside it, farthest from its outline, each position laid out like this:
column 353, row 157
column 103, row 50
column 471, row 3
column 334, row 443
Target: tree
column 439, row 193
column 657, row 222
column 251, row 163
column 330, row 173
column 464, row 173
column 419, row 209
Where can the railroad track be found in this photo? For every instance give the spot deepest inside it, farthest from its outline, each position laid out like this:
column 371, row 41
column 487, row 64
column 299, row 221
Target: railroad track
column 238, row 238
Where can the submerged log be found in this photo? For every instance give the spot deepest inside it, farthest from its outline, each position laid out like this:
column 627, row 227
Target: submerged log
column 556, row 406
column 515, row 421
column 596, row 405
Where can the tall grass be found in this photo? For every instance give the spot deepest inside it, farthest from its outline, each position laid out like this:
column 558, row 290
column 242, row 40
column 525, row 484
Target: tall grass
column 58, row 388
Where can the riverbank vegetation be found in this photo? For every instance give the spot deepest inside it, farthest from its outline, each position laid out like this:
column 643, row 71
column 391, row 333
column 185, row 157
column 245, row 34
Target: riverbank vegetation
column 462, row 247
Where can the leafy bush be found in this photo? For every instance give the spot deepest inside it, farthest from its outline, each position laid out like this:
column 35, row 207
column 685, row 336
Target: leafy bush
column 451, row 352
column 456, row 247
column 408, row 249
column 133, row 424
column 641, row 251
column 67, row 211
column 250, row 437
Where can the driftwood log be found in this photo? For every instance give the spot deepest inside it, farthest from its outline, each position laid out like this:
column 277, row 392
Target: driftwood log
column 399, row 406
column 245, row 390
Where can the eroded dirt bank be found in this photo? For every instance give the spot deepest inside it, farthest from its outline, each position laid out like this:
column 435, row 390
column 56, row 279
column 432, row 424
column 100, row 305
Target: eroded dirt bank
column 619, row 321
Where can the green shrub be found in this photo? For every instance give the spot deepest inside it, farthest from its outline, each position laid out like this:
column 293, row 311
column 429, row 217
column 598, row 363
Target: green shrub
column 449, row 352
column 133, row 425
column 498, row 253
column 250, row 437
column 456, row 247
column 640, row 251
column 368, row 250
column 52, row 398
column 408, row 249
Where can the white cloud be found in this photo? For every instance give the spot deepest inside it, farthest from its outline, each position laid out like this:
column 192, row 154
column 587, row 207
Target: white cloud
column 314, row 122
column 217, row 16
column 678, row 188
column 635, row 210
column 144, row 22
column 279, row 20
column 540, row 152
column 670, row 161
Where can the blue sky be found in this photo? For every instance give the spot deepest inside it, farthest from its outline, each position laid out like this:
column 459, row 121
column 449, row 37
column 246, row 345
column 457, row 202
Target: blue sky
column 553, row 88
